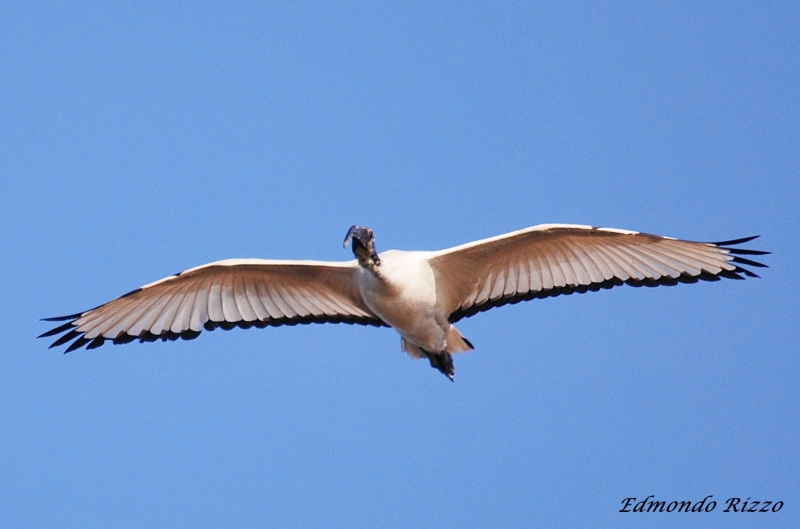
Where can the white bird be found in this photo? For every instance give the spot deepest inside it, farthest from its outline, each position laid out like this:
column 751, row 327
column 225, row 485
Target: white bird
column 419, row 294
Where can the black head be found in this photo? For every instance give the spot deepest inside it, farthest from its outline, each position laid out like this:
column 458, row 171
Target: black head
column 363, row 246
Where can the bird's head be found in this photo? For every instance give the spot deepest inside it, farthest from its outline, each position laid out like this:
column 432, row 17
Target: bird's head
column 363, row 246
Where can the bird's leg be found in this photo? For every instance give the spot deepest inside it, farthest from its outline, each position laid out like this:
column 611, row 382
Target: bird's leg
column 443, row 362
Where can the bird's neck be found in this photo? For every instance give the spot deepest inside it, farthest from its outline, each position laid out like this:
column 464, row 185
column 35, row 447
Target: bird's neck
column 367, row 258
column 372, row 268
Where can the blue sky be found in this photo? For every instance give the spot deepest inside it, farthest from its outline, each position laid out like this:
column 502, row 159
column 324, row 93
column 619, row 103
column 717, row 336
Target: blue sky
column 139, row 140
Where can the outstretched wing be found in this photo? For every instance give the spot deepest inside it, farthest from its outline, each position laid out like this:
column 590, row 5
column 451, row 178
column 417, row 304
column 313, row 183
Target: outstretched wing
column 553, row 259
column 232, row 293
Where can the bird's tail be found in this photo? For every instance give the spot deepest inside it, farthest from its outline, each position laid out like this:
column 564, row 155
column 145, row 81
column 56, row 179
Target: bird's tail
column 456, row 343
column 414, row 351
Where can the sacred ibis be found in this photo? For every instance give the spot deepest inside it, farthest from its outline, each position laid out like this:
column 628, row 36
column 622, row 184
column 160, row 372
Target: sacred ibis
column 420, row 294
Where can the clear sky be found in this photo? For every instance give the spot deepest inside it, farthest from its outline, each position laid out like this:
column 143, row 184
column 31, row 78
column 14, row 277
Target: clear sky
column 141, row 139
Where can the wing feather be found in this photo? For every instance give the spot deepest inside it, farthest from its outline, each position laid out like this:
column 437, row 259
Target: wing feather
column 565, row 262
column 498, row 285
column 200, row 313
column 534, row 276
column 215, row 299
column 601, row 261
column 523, row 276
column 327, row 304
column 228, row 296
column 145, row 321
column 183, row 316
column 265, row 295
column 511, row 280
column 646, row 267
column 224, row 294
column 593, row 273
column 578, row 273
column 164, row 320
column 243, row 305
column 133, row 313
column 553, row 270
column 624, row 270
column 299, row 301
column 277, row 299
column 315, row 303
column 670, row 267
column 625, row 263
column 251, row 291
column 697, row 253
column 486, row 291
column 543, row 266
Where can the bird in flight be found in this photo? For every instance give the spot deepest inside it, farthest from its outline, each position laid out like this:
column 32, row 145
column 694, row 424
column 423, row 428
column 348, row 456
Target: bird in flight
column 419, row 294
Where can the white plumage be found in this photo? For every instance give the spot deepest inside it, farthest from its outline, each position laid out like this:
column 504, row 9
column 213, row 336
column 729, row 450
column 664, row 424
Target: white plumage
column 420, row 294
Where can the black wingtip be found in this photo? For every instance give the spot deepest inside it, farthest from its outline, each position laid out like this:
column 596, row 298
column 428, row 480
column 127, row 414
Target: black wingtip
column 737, row 252
column 71, row 335
column 57, row 330
column 743, row 251
column 748, row 262
column 748, row 273
column 64, row 318
column 77, row 344
column 123, row 338
column 736, row 241
column 97, row 342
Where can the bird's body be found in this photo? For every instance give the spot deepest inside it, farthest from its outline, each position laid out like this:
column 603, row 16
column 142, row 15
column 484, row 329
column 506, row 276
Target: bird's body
column 403, row 294
column 419, row 294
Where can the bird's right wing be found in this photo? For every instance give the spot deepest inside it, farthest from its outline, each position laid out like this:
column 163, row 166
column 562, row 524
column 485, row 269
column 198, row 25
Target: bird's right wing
column 553, row 259
column 227, row 294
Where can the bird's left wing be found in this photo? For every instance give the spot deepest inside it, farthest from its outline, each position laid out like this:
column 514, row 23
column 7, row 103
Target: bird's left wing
column 232, row 293
column 552, row 259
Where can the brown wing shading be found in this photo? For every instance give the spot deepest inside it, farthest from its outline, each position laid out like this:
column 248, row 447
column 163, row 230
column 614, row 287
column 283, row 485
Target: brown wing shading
column 235, row 293
column 550, row 260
